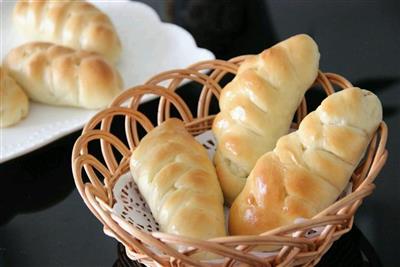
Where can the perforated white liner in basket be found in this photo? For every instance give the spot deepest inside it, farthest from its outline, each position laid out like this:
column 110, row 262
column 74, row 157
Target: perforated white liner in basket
column 133, row 209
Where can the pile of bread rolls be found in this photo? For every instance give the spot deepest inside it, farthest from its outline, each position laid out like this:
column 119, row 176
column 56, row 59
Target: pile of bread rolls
column 268, row 176
column 68, row 61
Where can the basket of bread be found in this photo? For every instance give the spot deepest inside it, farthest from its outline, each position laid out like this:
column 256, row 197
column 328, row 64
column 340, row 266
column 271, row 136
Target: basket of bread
column 262, row 182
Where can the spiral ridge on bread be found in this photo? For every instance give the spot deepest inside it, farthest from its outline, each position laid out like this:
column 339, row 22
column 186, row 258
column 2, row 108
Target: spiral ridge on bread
column 179, row 183
column 58, row 75
column 76, row 24
column 258, row 105
column 309, row 168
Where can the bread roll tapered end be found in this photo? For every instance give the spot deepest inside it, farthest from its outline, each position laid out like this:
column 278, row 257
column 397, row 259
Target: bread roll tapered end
column 14, row 104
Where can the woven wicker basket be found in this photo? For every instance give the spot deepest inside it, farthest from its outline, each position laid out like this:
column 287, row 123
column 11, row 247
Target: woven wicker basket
column 95, row 177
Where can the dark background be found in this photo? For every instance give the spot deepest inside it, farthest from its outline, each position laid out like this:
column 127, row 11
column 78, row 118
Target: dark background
column 43, row 220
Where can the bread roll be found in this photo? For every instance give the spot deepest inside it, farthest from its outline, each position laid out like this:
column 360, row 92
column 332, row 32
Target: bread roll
column 258, row 105
column 179, row 183
column 14, row 103
column 310, row 167
column 58, row 75
column 75, row 24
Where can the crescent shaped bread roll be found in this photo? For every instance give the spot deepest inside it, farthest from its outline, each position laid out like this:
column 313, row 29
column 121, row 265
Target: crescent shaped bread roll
column 59, row 75
column 76, row 24
column 310, row 167
column 179, row 183
column 258, row 105
column 14, row 104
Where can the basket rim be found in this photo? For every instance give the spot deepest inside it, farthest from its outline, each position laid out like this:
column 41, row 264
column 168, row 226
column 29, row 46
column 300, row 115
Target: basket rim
column 339, row 212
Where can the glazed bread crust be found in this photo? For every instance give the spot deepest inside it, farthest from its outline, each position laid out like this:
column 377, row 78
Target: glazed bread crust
column 58, row 75
column 310, row 167
column 76, row 24
column 258, row 105
column 179, row 183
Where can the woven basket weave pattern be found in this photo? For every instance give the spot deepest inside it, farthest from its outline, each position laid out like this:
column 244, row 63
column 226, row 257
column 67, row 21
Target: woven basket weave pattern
column 103, row 173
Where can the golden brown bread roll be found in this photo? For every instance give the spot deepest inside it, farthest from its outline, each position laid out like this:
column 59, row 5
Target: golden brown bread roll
column 59, row 75
column 258, row 105
column 76, row 24
column 14, row 104
column 310, row 167
column 179, row 183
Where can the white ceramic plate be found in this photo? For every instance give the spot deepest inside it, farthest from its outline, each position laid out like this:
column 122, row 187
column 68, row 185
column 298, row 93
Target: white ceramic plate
column 149, row 47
